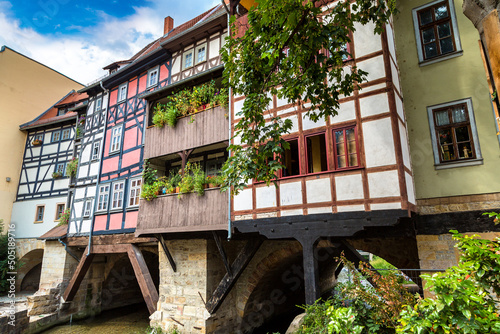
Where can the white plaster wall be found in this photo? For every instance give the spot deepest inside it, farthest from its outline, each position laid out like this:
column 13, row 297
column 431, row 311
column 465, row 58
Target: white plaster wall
column 237, row 106
column 80, row 193
column 374, row 105
column 350, row 208
column 410, row 188
column 213, row 48
column 94, row 168
column 243, row 201
column 390, row 40
column 318, row 190
column 383, row 184
column 50, row 148
column 265, row 197
column 373, row 87
column 395, row 77
column 365, row 41
column 347, row 112
column 404, row 145
column 295, row 123
column 385, row 206
column 379, row 143
column 349, row 187
column 399, row 107
column 176, row 64
column 308, row 124
column 291, row 193
column 325, row 209
column 296, row 212
column 44, row 186
column 23, row 216
column 61, row 183
column 374, row 66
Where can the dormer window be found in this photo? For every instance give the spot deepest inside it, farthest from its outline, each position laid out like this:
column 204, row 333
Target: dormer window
column 61, row 111
column 122, row 92
column 153, row 75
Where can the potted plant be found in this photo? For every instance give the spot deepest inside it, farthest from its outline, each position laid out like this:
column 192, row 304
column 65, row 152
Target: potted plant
column 57, row 175
column 64, row 218
column 148, row 192
column 171, row 115
column 37, row 142
column 198, row 180
column 71, row 167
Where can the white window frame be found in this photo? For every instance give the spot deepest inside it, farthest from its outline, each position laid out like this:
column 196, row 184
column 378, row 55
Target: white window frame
column 103, row 197
column 65, row 132
column 184, row 56
column 197, row 50
column 454, row 26
column 134, row 192
column 122, row 88
column 154, row 71
column 39, row 136
column 55, row 134
column 87, row 208
column 117, row 195
column 98, row 104
column 116, row 139
column 96, row 146
column 435, row 147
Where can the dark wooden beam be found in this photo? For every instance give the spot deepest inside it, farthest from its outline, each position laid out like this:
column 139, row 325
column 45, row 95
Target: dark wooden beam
column 128, row 238
column 442, row 223
column 144, row 278
column 237, row 267
column 222, row 253
column 311, row 273
column 109, row 249
column 167, row 253
column 78, row 276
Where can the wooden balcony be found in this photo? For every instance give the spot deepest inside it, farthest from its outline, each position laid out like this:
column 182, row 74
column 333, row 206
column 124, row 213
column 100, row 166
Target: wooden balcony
column 204, row 128
column 190, row 213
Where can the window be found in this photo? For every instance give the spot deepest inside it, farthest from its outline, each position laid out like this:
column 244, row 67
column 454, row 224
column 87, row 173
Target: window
column 346, row 148
column 291, row 159
column 103, row 198
column 201, row 53
column 122, row 92
column 116, row 139
column 117, row 201
column 60, row 168
column 454, row 135
column 59, row 210
column 153, row 76
column 65, row 134
column 56, row 135
column 187, row 59
column 40, row 209
column 39, row 137
column 436, row 30
column 98, row 104
column 61, row 111
column 87, row 207
column 135, row 192
column 316, row 153
column 96, row 148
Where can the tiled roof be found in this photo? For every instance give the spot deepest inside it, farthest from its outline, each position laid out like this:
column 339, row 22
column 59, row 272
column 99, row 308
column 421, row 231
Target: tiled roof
column 50, row 115
column 55, row 233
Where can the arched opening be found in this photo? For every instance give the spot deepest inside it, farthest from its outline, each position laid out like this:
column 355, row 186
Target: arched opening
column 120, row 287
column 29, row 272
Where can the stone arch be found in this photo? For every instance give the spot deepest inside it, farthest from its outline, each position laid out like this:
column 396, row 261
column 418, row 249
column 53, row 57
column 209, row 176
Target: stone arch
column 30, row 269
column 275, row 283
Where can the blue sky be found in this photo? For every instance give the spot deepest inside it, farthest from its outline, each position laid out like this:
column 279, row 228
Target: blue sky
column 79, row 37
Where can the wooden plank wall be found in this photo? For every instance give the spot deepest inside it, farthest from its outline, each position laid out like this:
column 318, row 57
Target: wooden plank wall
column 188, row 213
column 208, row 127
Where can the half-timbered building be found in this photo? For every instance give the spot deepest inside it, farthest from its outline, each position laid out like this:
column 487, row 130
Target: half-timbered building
column 43, row 187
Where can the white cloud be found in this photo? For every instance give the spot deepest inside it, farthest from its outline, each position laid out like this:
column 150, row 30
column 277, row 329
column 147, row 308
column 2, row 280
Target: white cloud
column 81, row 56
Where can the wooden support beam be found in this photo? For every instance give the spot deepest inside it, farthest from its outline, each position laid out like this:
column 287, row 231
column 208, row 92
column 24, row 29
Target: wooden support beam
column 222, row 253
column 128, row 238
column 167, row 253
column 109, row 249
column 311, row 272
column 237, row 267
column 78, row 276
column 144, row 278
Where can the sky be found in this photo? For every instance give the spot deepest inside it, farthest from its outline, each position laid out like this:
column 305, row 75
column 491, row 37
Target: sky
column 79, row 37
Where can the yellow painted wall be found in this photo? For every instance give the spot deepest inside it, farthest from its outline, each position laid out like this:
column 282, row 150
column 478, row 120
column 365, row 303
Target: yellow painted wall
column 27, row 89
column 441, row 82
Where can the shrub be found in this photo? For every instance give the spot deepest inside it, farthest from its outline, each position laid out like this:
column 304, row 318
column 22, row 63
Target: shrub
column 71, row 167
column 64, row 219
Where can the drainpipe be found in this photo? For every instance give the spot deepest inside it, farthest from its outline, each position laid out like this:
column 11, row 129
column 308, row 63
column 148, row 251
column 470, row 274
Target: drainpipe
column 229, row 227
column 68, row 251
column 98, row 172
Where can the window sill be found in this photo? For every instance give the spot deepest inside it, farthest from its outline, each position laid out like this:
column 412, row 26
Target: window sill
column 465, row 163
column 441, row 58
column 99, row 213
column 120, row 102
column 152, row 86
column 133, row 208
column 38, row 222
column 113, row 153
column 115, row 210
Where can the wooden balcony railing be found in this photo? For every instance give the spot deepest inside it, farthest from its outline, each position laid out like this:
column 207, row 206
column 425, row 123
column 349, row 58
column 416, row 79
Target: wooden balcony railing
column 189, row 213
column 203, row 128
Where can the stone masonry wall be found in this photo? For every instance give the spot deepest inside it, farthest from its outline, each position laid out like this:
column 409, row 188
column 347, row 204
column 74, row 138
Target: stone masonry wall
column 458, row 203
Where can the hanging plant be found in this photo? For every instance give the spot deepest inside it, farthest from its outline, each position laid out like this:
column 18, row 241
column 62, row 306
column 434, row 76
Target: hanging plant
column 72, row 167
column 64, row 218
column 57, row 175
